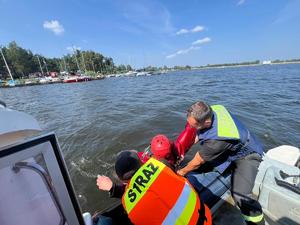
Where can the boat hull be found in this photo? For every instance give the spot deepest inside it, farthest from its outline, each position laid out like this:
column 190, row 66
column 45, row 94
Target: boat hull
column 76, row 79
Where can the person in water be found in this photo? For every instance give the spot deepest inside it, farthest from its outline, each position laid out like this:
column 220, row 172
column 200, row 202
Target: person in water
column 162, row 149
column 154, row 194
column 173, row 153
column 227, row 144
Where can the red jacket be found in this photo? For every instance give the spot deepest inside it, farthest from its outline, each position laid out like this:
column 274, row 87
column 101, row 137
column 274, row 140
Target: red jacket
column 185, row 140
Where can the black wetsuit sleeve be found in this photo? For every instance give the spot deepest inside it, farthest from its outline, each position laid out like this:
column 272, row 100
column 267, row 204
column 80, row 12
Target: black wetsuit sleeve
column 212, row 149
column 117, row 190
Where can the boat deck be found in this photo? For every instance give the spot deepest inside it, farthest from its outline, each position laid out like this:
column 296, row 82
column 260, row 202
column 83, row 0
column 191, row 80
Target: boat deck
column 227, row 214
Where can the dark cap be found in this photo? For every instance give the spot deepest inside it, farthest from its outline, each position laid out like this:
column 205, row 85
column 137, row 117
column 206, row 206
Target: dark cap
column 127, row 163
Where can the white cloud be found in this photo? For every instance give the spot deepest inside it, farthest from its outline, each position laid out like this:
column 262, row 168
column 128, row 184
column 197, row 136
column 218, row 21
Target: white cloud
column 241, row 2
column 72, row 48
column 183, row 51
column 202, row 41
column 171, row 56
column 182, row 31
column 196, row 29
column 54, row 26
column 195, row 46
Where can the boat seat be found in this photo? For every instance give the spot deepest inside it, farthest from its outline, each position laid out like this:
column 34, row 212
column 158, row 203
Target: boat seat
column 286, row 154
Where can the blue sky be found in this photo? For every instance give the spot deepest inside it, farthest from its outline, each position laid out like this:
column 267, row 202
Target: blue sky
column 153, row 32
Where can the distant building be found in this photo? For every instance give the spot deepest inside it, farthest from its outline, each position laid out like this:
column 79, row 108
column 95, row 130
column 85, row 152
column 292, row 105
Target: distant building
column 266, row 62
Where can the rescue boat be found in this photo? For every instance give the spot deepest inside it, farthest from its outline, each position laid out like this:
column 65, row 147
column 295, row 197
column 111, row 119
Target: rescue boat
column 36, row 186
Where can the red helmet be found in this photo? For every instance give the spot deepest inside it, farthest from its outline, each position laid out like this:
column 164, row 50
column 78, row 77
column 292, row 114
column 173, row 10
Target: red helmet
column 161, row 146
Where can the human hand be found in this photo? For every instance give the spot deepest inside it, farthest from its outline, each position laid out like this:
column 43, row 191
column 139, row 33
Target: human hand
column 104, row 183
column 181, row 172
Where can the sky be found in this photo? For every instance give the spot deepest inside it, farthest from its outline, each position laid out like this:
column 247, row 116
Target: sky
column 156, row 32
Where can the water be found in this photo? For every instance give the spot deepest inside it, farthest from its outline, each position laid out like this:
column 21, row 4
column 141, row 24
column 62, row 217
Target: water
column 95, row 120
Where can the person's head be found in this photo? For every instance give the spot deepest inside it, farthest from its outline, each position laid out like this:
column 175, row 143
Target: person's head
column 199, row 115
column 161, row 148
column 127, row 163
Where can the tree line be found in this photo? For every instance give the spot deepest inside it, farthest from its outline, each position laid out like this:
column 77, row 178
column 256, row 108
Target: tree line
column 234, row 64
column 286, row 61
column 23, row 62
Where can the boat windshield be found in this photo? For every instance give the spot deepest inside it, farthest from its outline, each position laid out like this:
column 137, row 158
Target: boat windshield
column 35, row 186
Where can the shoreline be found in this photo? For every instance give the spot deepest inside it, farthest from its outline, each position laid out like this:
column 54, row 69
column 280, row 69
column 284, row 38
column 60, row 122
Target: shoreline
column 222, row 67
column 48, row 83
column 193, row 68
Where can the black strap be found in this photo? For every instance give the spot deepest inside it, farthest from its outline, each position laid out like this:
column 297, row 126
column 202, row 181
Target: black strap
column 242, row 145
column 202, row 216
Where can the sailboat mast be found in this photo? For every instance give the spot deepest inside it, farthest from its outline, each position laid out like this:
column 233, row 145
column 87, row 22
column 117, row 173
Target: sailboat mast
column 11, row 77
column 93, row 66
column 40, row 65
column 61, row 69
column 46, row 66
column 83, row 62
column 65, row 64
column 75, row 54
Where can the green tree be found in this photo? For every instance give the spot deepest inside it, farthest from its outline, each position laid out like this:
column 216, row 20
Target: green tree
column 22, row 62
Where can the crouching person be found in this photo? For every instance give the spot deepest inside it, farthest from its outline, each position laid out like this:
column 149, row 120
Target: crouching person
column 154, row 194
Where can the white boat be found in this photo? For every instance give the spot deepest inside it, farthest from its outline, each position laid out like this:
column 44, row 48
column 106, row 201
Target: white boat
column 11, row 82
column 45, row 80
column 266, row 62
column 36, row 188
column 141, row 74
column 56, row 80
column 130, row 74
column 75, row 79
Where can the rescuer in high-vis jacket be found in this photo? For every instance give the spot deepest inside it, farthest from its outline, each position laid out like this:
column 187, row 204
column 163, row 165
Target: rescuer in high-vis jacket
column 155, row 195
column 226, row 144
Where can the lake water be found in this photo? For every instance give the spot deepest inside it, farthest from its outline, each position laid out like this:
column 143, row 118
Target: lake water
column 95, row 120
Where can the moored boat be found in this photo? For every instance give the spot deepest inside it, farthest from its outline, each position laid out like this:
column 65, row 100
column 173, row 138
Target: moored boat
column 142, row 74
column 74, row 79
column 130, row 74
column 45, row 80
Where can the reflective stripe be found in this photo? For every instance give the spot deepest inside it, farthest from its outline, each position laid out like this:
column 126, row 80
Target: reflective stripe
column 254, row 219
column 187, row 213
column 183, row 209
column 129, row 205
column 226, row 125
